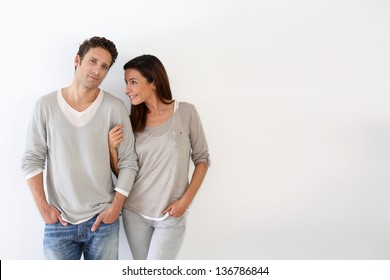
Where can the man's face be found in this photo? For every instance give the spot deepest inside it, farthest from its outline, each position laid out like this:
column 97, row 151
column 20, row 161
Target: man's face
column 93, row 68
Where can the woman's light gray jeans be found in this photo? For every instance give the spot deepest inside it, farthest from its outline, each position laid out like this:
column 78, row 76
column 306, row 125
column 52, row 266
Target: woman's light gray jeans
column 153, row 240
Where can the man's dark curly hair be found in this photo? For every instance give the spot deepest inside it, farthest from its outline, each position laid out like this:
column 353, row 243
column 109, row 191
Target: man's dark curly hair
column 98, row 42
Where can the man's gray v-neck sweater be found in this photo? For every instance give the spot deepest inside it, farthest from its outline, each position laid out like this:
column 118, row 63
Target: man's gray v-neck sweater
column 78, row 175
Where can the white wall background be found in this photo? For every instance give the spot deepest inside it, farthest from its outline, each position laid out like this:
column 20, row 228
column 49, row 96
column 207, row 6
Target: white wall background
column 293, row 95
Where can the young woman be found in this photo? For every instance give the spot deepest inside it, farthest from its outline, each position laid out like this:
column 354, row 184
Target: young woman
column 168, row 134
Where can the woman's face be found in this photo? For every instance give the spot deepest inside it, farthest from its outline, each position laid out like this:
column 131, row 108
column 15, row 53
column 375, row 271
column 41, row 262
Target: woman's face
column 137, row 87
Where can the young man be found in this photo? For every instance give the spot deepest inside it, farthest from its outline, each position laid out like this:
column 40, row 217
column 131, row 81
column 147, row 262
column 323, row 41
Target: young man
column 68, row 132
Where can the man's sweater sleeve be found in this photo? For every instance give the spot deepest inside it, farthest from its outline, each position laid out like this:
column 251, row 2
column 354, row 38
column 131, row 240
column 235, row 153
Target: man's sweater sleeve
column 34, row 158
column 127, row 158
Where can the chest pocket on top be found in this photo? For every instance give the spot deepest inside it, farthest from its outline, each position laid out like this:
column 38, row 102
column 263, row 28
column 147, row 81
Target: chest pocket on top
column 177, row 138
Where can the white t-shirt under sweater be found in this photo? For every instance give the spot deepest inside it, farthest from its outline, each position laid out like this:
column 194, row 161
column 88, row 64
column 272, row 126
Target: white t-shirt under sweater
column 164, row 154
column 76, row 154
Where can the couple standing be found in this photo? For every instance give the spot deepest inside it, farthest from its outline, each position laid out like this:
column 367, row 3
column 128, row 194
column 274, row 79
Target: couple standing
column 82, row 134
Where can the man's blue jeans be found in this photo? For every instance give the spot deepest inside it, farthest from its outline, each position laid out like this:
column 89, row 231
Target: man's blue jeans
column 71, row 241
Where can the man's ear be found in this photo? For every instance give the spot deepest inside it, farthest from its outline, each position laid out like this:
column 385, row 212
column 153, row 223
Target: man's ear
column 77, row 61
